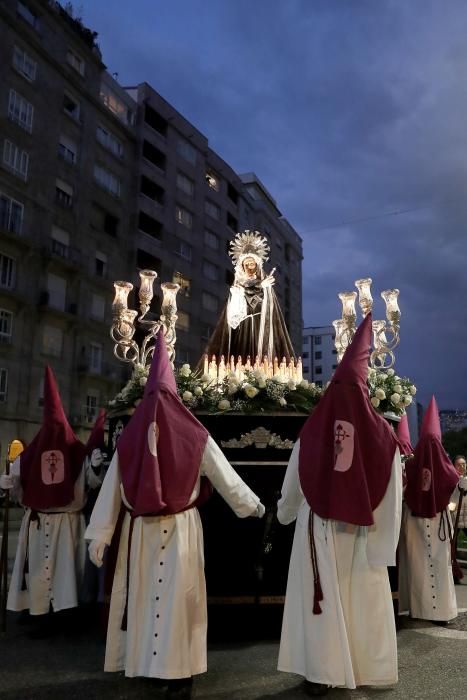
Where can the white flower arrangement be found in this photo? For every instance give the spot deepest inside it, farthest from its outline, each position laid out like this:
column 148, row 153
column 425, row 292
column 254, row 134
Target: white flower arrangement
column 390, row 393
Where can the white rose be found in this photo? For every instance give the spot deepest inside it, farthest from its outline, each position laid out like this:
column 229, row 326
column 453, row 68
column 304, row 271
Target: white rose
column 205, row 378
column 198, row 391
column 291, row 384
column 413, row 389
column 383, row 376
column 380, row 394
column 232, row 376
column 396, row 378
column 259, row 374
column 395, row 398
column 232, row 387
column 407, row 400
column 374, row 401
column 262, row 383
column 304, row 383
column 143, row 381
column 398, row 389
column 390, row 372
column 250, row 390
column 283, row 402
column 371, row 371
column 187, row 395
column 112, row 402
column 223, row 405
column 277, row 378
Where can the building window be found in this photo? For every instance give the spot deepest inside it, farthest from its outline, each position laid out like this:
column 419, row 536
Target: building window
column 60, row 242
column 95, row 358
column 211, row 239
column 20, row 111
column 185, row 184
column 319, row 383
column 146, row 261
column 11, row 214
column 152, row 190
column 102, row 220
column 183, row 217
column 67, row 150
column 318, row 370
column 3, row 384
column 317, row 340
column 187, row 151
column 305, row 369
column 107, row 180
column 6, row 324
column 183, row 321
column 92, row 401
column 318, row 355
column 212, row 209
column 63, row 194
column 232, row 193
column 210, row 271
column 15, row 159
column 75, row 61
column 184, row 282
column 24, row 64
column 155, row 121
column 52, row 341
column 305, row 356
column 232, row 222
column 334, row 366
column 151, row 226
column 209, row 302
column 100, row 264
column 7, row 272
column 27, row 14
column 334, row 351
column 56, row 289
column 71, row 106
column 154, row 155
column 184, row 250
column 98, row 307
column 109, row 141
column 213, row 180
column 206, row 332
column 116, row 105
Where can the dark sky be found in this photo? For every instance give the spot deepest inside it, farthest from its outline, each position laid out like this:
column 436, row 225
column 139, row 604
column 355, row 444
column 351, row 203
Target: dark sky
column 353, row 113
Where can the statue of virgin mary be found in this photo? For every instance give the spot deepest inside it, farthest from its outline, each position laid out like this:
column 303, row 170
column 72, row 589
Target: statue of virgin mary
column 251, row 323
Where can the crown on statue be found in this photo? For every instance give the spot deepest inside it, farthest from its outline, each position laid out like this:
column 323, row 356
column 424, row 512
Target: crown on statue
column 249, row 243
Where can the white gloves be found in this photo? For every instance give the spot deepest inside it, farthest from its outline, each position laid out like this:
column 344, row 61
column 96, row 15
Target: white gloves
column 462, row 483
column 260, row 510
column 268, row 282
column 7, row 481
column 96, row 552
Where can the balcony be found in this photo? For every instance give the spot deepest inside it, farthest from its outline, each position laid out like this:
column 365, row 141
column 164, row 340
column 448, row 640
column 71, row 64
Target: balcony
column 70, row 256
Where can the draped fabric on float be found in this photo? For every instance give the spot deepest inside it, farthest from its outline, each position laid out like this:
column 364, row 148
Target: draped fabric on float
column 51, row 464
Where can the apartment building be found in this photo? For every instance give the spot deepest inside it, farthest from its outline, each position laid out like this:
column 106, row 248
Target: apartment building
column 67, row 153
column 191, row 204
column 319, row 354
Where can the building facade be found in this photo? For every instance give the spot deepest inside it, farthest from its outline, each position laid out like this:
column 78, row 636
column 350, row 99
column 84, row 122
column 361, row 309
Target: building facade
column 97, row 182
column 67, row 153
column 319, row 355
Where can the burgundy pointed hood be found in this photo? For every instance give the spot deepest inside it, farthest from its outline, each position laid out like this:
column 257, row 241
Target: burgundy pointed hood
column 403, row 435
column 161, row 448
column 431, row 476
column 96, row 439
column 50, row 465
column 346, row 448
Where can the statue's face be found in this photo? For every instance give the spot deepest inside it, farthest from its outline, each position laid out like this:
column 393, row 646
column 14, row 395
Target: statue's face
column 460, row 465
column 249, row 265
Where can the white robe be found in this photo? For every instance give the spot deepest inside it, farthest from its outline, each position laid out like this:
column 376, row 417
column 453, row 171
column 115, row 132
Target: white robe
column 56, row 554
column 167, row 611
column 426, row 584
column 353, row 641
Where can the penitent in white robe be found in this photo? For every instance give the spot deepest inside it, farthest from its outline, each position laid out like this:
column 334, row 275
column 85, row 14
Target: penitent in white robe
column 353, row 641
column 56, row 554
column 426, row 584
column 167, row 611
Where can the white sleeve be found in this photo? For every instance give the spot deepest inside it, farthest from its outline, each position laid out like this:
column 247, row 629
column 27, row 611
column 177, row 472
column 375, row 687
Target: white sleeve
column 227, row 482
column 291, row 495
column 383, row 535
column 105, row 513
column 236, row 307
column 16, row 493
